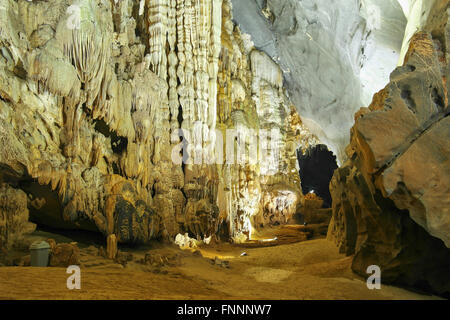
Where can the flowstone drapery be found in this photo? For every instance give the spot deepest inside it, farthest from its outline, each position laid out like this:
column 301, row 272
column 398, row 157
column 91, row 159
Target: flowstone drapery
column 96, row 97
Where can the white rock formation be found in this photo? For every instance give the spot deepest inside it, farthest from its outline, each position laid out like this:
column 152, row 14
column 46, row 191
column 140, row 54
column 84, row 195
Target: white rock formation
column 92, row 97
column 335, row 54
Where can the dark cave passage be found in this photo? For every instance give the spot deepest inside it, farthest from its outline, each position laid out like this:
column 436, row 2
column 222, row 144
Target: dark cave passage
column 46, row 210
column 317, row 166
column 83, row 238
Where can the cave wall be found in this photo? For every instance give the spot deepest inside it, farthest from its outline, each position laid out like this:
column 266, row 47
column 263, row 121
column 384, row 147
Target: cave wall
column 334, row 54
column 93, row 95
column 421, row 16
column 391, row 198
column 14, row 217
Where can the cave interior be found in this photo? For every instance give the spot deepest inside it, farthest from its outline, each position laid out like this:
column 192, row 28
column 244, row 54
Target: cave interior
column 282, row 144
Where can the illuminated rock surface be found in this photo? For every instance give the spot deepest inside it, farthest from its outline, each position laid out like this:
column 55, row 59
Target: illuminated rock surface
column 391, row 199
column 13, row 216
column 335, row 54
column 93, row 95
column 117, row 117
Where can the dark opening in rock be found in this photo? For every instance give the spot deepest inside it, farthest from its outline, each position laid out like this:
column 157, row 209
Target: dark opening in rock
column 119, row 144
column 317, row 166
column 46, row 209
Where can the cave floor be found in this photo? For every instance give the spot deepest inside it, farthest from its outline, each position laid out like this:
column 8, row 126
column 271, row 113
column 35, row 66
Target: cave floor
column 303, row 270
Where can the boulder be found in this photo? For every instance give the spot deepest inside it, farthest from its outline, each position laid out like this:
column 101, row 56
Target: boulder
column 64, row 255
column 391, row 199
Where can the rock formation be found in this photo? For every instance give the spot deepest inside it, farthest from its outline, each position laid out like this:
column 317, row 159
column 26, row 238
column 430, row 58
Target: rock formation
column 64, row 255
column 158, row 119
column 391, row 198
column 334, row 55
column 99, row 100
column 13, row 217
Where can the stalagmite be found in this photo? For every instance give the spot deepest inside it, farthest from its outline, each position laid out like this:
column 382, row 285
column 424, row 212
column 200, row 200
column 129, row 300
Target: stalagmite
column 111, row 247
column 162, row 120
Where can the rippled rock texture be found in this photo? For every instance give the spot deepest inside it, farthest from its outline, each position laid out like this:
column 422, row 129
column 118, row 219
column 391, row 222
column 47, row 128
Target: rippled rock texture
column 391, row 199
column 93, row 95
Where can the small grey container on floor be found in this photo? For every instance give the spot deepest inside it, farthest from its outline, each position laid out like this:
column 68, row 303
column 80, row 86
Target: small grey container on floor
column 40, row 251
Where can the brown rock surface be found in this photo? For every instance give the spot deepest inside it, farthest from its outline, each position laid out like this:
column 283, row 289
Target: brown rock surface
column 13, row 217
column 64, row 255
column 111, row 247
column 391, row 199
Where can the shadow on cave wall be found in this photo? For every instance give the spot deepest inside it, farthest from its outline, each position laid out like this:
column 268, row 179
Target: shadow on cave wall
column 317, row 166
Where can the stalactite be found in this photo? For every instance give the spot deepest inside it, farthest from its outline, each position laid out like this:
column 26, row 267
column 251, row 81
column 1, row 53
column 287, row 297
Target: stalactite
column 214, row 52
column 188, row 108
column 157, row 34
column 173, row 62
column 116, row 109
column 181, row 42
column 88, row 50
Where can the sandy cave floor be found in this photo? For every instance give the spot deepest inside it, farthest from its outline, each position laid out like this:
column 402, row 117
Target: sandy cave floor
column 311, row 269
